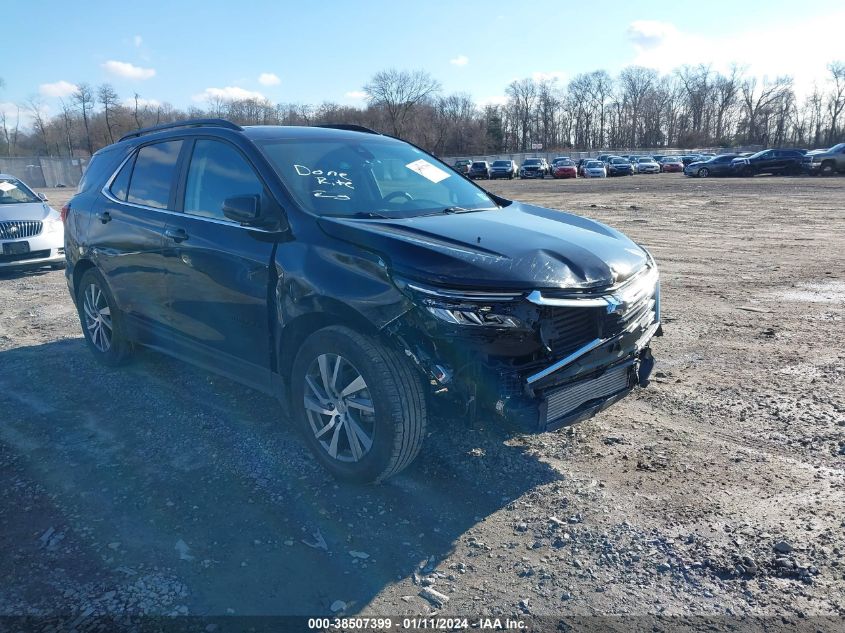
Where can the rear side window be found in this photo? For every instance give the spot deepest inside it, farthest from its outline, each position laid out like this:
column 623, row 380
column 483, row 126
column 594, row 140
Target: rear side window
column 102, row 165
column 120, row 185
column 153, row 174
column 218, row 171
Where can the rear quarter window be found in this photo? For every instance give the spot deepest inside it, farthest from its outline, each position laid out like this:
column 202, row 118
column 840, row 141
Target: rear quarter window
column 101, row 166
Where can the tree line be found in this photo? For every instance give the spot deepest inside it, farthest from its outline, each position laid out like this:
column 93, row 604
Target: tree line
column 692, row 106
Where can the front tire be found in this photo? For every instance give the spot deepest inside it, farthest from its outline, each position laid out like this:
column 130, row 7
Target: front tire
column 704, row 172
column 102, row 323
column 827, row 169
column 360, row 405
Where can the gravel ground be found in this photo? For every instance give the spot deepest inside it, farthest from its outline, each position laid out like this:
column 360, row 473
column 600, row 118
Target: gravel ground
column 719, row 490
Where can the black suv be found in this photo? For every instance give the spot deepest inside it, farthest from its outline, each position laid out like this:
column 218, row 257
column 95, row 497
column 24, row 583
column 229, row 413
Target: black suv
column 358, row 279
column 769, row 161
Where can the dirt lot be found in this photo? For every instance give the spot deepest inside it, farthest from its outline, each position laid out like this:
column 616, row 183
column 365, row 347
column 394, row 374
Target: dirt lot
column 719, row 490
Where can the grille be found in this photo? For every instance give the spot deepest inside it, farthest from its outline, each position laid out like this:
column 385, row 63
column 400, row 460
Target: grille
column 566, row 400
column 637, row 316
column 14, row 229
column 567, row 329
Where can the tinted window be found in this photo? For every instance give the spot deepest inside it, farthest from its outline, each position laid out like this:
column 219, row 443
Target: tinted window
column 480, row 165
column 102, row 165
column 501, row 163
column 217, row 171
column 153, row 174
column 120, row 184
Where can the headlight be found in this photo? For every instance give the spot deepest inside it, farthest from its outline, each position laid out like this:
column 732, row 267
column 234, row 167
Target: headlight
column 463, row 307
column 52, row 225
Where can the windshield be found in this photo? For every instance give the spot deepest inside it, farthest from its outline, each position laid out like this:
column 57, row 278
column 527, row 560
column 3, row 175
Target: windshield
column 369, row 176
column 593, row 164
column 764, row 152
column 501, row 163
column 564, row 162
column 837, row 148
column 645, row 160
column 13, row 191
column 532, row 161
column 618, row 161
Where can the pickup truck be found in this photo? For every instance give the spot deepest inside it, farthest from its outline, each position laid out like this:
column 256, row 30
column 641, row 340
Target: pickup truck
column 359, row 280
column 825, row 162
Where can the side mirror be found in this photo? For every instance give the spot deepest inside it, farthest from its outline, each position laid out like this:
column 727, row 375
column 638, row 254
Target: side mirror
column 243, row 209
column 43, row 197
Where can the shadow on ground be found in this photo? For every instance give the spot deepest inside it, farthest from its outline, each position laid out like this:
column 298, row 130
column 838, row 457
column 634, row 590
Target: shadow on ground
column 194, row 484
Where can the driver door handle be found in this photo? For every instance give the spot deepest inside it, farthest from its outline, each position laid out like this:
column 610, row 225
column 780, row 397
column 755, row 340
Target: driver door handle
column 177, row 235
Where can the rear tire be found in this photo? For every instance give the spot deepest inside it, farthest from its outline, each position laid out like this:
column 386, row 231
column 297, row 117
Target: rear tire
column 102, row 323
column 370, row 427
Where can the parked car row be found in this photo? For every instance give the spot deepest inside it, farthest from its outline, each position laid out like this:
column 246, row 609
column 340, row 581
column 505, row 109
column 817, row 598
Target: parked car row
column 705, row 165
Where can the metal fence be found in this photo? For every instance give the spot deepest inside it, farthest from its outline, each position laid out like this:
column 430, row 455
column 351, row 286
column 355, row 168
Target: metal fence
column 39, row 172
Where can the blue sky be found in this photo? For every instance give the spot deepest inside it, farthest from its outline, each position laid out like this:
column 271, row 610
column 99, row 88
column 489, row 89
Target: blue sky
column 181, row 52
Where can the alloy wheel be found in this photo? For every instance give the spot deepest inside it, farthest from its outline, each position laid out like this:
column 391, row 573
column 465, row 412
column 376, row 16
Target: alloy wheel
column 97, row 317
column 339, row 408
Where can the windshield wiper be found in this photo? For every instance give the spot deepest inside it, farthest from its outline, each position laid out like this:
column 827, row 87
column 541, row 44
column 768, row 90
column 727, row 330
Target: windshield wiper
column 366, row 215
column 451, row 210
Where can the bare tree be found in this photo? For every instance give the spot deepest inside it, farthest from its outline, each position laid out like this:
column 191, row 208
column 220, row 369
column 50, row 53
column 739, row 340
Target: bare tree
column 522, row 96
column 35, row 106
column 398, row 92
column 836, row 102
column 67, row 120
column 83, row 98
column 108, row 99
column 635, row 84
column 757, row 103
column 136, row 113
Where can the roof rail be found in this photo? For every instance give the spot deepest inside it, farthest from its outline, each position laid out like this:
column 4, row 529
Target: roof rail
column 187, row 123
column 348, row 126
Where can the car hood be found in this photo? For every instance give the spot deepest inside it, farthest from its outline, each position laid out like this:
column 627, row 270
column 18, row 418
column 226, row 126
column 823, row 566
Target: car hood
column 25, row 211
column 516, row 247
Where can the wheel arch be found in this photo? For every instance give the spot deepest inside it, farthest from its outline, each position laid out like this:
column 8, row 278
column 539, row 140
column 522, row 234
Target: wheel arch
column 294, row 333
column 80, row 268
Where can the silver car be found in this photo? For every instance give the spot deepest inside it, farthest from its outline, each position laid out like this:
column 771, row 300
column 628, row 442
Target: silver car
column 594, row 169
column 31, row 232
column 647, row 165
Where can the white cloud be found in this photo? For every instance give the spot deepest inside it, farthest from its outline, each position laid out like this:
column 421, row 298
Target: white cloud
column 129, row 102
column 495, row 100
column 57, row 89
column 357, row 95
column 269, row 79
column 460, row 60
column 647, row 34
column 229, row 93
column 555, row 75
column 137, row 40
column 662, row 46
column 9, row 109
column 129, row 71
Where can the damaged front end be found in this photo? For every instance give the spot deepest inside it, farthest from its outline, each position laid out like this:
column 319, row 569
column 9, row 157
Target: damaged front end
column 535, row 360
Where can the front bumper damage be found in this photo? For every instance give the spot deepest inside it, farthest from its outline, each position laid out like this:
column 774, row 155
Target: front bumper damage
column 576, row 355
